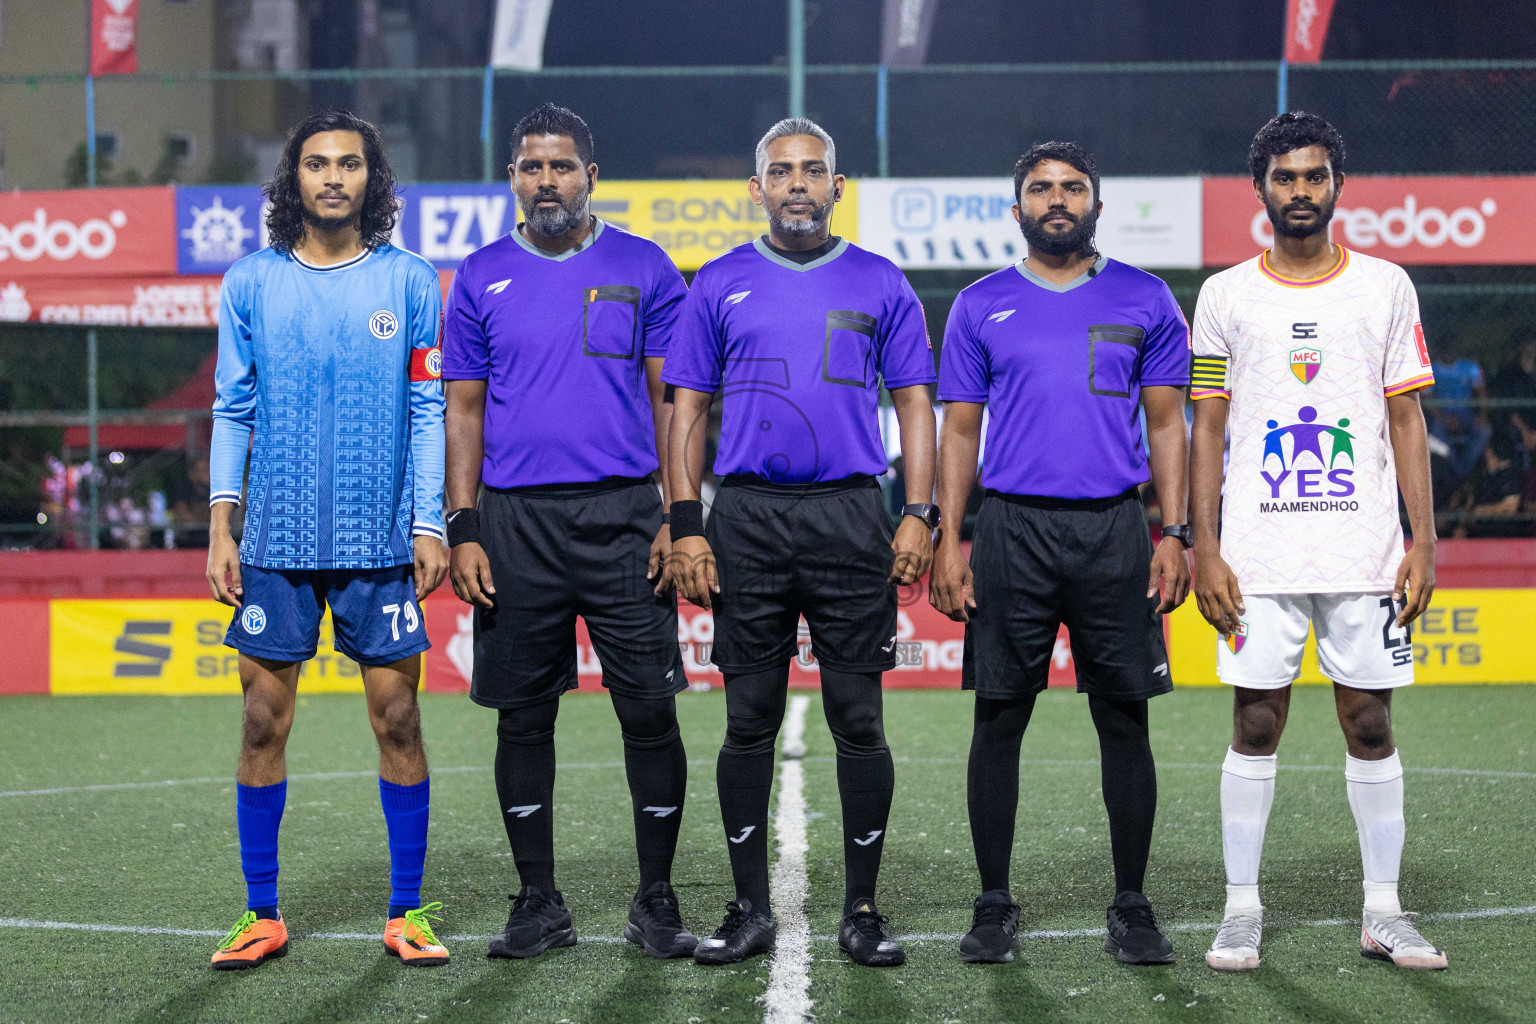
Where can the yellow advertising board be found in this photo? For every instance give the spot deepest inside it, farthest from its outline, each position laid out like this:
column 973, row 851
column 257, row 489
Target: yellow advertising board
column 165, row 647
column 695, row 221
column 1465, row 636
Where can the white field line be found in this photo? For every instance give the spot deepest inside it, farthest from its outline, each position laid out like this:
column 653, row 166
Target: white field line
column 788, row 998
column 1214, row 766
column 1046, row 933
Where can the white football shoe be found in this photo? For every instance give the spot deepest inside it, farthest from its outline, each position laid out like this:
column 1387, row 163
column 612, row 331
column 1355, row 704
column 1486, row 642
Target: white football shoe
column 1237, row 942
column 1392, row 937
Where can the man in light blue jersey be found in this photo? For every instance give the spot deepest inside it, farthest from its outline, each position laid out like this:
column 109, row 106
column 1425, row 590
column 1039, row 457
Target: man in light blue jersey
column 329, row 372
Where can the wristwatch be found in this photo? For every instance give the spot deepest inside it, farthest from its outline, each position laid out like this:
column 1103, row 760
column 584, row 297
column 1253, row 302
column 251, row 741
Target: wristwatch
column 927, row 513
column 1179, row 532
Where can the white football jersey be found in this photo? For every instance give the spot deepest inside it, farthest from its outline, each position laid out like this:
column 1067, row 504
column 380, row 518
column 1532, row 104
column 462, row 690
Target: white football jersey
column 1310, row 497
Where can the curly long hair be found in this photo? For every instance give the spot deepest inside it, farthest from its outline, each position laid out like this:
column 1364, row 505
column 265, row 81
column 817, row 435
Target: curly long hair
column 381, row 199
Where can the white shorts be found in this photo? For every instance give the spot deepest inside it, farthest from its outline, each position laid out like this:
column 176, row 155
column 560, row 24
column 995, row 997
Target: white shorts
column 1359, row 642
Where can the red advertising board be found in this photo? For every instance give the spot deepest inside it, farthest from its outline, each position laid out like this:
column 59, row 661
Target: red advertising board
column 111, row 301
column 1410, row 220
column 88, row 233
column 114, row 37
column 929, row 648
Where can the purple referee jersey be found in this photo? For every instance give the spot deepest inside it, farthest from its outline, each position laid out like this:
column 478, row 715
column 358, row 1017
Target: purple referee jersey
column 800, row 352
column 1061, row 368
column 561, row 341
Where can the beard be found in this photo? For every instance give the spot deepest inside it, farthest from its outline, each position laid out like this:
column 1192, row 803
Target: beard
column 317, row 221
column 799, row 227
column 1285, row 229
column 1076, row 239
column 558, row 221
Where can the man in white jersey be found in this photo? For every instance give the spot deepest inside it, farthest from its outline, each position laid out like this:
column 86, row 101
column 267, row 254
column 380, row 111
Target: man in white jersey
column 1312, row 356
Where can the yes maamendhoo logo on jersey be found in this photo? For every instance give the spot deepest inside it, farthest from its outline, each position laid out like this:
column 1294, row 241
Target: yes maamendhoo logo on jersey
column 1303, row 473
column 253, row 619
column 382, row 325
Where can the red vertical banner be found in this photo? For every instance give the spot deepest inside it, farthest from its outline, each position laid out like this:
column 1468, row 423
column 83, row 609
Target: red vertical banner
column 1306, row 26
column 114, row 37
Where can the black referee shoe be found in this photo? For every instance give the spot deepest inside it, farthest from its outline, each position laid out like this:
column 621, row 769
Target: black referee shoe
column 745, row 932
column 656, row 925
column 865, row 935
column 994, row 933
column 538, row 921
column 1133, row 933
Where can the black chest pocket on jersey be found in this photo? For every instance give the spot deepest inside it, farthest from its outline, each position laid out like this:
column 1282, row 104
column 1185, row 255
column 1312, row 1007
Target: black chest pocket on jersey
column 1112, row 353
column 849, row 349
column 610, row 321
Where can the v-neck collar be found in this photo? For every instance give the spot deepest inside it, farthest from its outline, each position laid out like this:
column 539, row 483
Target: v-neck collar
column 1077, row 282
column 768, row 254
column 577, row 249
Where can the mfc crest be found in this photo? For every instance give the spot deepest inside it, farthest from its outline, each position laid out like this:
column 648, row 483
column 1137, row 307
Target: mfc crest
column 1305, row 362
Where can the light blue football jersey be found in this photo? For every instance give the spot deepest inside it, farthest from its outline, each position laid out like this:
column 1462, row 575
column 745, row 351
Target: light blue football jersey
column 331, row 377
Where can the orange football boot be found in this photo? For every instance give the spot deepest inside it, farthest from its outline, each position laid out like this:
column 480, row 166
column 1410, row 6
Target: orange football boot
column 410, row 938
column 251, row 942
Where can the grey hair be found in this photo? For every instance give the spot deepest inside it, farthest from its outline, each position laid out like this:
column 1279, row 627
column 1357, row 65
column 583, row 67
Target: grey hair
column 795, row 126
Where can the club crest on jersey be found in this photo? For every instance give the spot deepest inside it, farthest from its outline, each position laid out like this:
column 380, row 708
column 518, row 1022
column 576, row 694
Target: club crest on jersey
column 383, row 325
column 1238, row 637
column 1305, row 362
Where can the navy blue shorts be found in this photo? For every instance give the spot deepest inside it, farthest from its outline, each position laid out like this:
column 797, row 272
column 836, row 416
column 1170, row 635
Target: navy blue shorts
column 374, row 612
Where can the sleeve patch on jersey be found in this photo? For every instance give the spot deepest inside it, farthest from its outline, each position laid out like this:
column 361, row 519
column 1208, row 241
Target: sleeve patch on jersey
column 1418, row 339
column 426, row 364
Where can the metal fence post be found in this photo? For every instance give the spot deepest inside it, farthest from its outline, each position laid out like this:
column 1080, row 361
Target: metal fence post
column 882, row 122
column 90, row 131
column 796, row 58
column 487, row 94
column 1284, row 86
column 93, row 410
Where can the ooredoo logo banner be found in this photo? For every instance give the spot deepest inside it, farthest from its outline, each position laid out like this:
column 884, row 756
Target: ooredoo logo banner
column 1402, row 219
column 88, row 232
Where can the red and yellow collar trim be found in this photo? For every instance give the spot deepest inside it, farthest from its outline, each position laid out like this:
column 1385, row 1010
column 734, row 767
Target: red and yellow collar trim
column 1338, row 269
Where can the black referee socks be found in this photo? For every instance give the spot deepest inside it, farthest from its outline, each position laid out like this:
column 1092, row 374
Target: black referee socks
column 525, row 784
column 1129, row 780
column 657, row 767
column 865, row 776
column 754, row 710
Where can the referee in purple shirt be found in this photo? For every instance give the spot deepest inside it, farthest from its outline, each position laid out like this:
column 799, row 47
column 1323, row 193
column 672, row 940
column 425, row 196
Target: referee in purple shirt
column 1066, row 347
column 798, row 330
column 552, row 348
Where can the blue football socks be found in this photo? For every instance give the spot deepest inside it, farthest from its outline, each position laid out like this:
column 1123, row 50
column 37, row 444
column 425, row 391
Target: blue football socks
column 259, row 812
column 405, row 815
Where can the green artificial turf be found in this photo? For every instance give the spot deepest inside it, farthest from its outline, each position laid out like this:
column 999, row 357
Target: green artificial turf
column 166, row 857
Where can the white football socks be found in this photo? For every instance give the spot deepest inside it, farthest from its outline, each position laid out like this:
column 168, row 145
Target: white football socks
column 1247, row 791
column 1376, row 798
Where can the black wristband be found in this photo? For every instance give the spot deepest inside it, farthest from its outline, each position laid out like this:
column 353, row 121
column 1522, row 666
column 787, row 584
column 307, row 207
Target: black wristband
column 463, row 527
column 666, row 519
column 687, row 519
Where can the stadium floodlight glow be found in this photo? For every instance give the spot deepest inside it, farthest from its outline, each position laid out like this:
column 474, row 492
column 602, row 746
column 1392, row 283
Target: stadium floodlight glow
column 42, row 519
column 116, row 458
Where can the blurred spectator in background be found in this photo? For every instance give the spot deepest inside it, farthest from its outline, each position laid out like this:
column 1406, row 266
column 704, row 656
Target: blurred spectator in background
column 1511, row 455
column 1458, row 417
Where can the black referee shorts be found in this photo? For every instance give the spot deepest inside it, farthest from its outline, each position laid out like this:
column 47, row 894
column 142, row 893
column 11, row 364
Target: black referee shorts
column 1040, row 563
column 562, row 551
column 818, row 550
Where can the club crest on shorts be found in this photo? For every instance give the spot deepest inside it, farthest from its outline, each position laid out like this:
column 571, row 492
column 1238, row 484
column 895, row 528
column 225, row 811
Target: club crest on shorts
column 1305, row 362
column 253, row 618
column 1237, row 638
column 383, row 324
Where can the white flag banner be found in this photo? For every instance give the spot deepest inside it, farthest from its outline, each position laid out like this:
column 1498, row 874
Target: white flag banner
column 517, row 41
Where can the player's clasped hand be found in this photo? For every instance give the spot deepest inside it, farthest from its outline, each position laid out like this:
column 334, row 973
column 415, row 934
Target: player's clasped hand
column 1416, row 580
column 1217, row 594
column 952, row 589
column 431, row 565
column 1170, row 574
column 913, row 546
column 656, row 568
column 470, row 572
column 224, row 569
column 692, row 568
